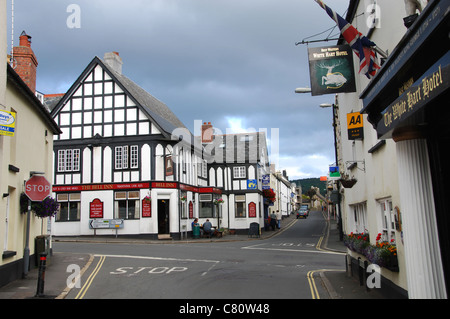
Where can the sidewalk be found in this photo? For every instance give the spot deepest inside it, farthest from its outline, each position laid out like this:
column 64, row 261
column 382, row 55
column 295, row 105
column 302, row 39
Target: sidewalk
column 337, row 283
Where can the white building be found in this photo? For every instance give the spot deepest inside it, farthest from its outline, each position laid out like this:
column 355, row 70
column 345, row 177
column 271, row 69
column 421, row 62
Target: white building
column 393, row 195
column 123, row 155
column 28, row 149
column 120, row 157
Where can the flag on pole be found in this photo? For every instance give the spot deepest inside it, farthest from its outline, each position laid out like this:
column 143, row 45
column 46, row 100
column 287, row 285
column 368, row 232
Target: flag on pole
column 360, row 44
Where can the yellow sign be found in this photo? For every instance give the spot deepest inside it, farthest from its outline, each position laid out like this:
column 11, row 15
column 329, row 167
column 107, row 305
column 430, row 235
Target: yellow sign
column 7, row 123
column 355, row 126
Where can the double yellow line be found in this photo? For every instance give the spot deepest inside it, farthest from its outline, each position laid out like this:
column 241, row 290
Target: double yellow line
column 88, row 282
column 312, row 284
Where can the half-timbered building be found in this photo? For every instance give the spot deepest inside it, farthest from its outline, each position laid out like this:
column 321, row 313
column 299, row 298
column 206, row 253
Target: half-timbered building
column 118, row 158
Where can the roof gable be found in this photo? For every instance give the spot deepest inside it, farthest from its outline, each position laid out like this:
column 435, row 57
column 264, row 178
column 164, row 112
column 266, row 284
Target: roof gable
column 102, row 101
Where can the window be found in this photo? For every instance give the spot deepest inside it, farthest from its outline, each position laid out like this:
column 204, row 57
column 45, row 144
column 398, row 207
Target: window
column 206, row 206
column 359, row 212
column 239, row 172
column 126, row 205
column 184, row 203
column 387, row 220
column 69, row 160
column 69, row 207
column 239, row 206
column 126, row 157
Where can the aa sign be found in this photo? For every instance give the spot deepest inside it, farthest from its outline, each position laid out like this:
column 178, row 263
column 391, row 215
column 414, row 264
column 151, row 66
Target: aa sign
column 355, row 126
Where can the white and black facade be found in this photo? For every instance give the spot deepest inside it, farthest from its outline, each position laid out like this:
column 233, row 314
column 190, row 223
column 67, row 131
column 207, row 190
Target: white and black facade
column 123, row 155
column 117, row 159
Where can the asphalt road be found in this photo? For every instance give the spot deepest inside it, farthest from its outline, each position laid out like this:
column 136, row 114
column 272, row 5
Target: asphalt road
column 282, row 267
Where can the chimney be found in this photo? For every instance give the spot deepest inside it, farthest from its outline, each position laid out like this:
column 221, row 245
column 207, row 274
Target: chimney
column 25, row 63
column 114, row 61
column 207, row 133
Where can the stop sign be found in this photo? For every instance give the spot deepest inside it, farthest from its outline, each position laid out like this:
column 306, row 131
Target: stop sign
column 37, row 188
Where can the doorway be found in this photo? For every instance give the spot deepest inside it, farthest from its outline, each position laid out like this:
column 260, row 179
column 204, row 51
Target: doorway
column 163, row 216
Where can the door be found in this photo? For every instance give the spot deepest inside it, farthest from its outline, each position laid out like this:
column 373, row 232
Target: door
column 163, row 216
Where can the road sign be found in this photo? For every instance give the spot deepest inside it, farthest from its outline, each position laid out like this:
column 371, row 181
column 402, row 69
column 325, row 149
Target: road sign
column 106, row 223
column 37, row 188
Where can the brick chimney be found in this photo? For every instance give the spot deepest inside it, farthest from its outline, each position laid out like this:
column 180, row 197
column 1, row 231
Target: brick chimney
column 207, row 133
column 25, row 61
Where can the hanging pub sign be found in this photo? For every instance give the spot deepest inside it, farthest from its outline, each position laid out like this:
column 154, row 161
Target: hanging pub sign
column 334, row 173
column 355, row 126
column 331, row 70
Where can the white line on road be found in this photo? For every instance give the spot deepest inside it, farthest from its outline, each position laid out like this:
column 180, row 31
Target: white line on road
column 159, row 258
column 294, row 250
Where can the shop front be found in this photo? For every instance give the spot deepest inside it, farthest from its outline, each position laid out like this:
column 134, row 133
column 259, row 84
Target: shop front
column 145, row 209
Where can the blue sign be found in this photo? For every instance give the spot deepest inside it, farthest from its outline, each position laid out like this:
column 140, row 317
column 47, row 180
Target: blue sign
column 252, row 184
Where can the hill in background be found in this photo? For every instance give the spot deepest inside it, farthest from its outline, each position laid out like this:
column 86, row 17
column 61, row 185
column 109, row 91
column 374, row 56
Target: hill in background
column 306, row 184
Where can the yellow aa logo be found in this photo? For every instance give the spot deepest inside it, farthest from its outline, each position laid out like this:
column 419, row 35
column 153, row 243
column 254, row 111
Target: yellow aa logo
column 354, row 120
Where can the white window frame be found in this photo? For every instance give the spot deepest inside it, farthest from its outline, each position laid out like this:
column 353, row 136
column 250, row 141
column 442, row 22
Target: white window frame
column 239, row 172
column 387, row 219
column 359, row 217
column 69, row 160
column 134, row 161
column 126, row 157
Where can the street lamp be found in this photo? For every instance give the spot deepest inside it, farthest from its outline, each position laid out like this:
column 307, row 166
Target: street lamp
column 303, row 90
column 324, row 105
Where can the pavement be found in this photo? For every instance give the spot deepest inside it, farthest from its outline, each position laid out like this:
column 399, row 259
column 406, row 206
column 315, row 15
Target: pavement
column 338, row 284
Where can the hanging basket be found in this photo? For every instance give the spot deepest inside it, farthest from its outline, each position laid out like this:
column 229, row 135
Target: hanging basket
column 348, row 183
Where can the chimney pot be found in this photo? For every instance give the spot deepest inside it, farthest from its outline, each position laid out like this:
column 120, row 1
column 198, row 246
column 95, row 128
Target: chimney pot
column 24, row 40
column 25, row 61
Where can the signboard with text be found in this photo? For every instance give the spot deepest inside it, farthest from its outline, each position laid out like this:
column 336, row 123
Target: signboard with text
column 252, row 209
column 96, row 209
column 146, row 208
column 331, row 70
column 7, row 123
column 355, row 126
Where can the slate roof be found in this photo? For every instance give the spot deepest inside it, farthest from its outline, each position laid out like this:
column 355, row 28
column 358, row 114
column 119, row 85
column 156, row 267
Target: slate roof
column 239, row 148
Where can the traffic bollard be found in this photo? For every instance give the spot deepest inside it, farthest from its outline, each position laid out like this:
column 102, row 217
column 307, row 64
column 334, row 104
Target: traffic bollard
column 41, row 277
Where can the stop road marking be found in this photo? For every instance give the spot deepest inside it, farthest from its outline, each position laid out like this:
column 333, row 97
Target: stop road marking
column 150, row 270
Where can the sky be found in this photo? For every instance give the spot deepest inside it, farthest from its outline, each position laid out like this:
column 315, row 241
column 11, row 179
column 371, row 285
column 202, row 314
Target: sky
column 234, row 63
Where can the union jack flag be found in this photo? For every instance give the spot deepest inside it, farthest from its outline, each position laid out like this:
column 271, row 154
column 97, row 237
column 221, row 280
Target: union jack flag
column 360, row 44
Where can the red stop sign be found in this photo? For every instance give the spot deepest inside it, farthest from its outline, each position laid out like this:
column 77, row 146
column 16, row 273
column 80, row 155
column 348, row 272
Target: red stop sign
column 37, row 188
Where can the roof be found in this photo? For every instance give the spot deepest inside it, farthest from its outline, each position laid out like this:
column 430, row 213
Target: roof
column 240, row 148
column 162, row 116
column 46, row 117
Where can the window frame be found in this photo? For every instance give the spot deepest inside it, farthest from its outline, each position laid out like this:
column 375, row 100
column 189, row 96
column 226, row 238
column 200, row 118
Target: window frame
column 126, row 157
column 68, row 160
column 127, row 197
column 239, row 172
column 72, row 198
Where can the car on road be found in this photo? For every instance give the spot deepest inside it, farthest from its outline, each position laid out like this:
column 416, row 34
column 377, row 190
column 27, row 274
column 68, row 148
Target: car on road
column 302, row 213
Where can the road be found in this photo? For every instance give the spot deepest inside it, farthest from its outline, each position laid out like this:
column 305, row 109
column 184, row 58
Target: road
column 283, row 267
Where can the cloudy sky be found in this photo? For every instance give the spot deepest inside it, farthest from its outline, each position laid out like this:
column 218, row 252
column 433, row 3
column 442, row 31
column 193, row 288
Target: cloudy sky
column 233, row 63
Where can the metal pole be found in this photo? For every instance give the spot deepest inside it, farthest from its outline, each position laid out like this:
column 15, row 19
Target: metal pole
column 26, row 250
column 41, row 277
